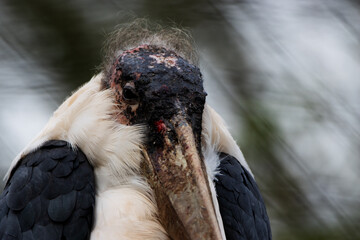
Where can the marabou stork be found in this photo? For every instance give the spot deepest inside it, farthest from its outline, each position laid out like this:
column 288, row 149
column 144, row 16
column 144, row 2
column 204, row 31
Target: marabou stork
column 135, row 153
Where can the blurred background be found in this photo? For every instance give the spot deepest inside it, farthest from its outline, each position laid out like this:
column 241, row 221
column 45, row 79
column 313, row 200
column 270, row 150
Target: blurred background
column 284, row 74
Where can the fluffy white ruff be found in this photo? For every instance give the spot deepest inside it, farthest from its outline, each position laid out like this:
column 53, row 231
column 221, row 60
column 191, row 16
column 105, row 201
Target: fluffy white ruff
column 125, row 213
column 86, row 120
column 217, row 138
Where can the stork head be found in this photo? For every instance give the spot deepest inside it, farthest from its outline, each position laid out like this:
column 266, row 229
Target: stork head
column 157, row 88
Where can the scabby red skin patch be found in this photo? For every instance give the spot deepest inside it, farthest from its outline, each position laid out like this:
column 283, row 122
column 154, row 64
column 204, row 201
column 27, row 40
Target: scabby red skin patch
column 165, row 83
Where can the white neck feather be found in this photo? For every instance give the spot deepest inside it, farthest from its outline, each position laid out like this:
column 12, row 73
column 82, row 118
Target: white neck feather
column 124, row 199
column 85, row 120
column 217, row 138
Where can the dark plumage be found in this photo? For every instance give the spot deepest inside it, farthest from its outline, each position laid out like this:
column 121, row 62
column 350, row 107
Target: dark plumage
column 49, row 195
column 241, row 205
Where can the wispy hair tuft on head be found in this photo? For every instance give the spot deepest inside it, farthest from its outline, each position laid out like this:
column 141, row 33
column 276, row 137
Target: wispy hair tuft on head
column 142, row 31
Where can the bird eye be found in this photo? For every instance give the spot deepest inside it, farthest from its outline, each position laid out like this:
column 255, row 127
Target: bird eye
column 129, row 95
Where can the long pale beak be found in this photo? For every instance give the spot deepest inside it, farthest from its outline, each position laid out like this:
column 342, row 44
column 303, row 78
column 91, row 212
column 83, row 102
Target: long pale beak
column 177, row 174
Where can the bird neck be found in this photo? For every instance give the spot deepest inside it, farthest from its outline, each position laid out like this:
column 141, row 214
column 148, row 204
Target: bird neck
column 127, row 211
column 87, row 120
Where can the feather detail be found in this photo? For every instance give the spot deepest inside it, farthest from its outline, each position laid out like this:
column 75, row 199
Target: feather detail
column 125, row 213
column 216, row 137
column 87, row 120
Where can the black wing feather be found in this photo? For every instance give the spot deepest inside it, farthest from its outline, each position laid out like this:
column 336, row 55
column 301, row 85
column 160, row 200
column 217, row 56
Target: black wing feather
column 241, row 205
column 49, row 195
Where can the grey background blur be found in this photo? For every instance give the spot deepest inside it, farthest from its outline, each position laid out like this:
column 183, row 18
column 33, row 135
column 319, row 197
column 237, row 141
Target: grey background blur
column 285, row 74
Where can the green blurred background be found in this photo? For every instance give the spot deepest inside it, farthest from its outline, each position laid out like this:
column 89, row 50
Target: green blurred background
column 285, row 75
